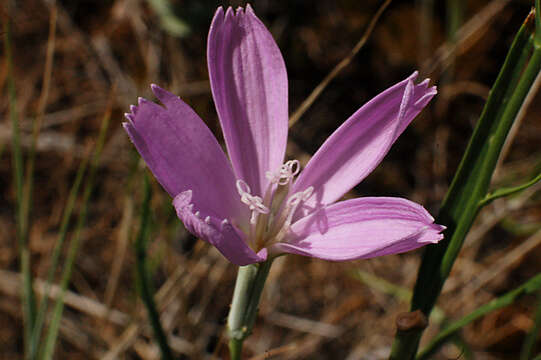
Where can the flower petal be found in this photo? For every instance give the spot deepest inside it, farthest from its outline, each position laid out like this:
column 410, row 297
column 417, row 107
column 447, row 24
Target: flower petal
column 249, row 85
column 359, row 144
column 361, row 228
column 183, row 154
column 218, row 232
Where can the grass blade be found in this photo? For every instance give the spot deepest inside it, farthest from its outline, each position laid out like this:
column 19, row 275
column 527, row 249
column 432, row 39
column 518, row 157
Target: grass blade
column 29, row 175
column 52, row 333
column 27, row 294
column 531, row 337
column 70, row 205
column 471, row 181
column 529, row 287
column 143, row 281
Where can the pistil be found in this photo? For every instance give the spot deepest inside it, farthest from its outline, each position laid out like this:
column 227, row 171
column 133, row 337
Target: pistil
column 266, row 226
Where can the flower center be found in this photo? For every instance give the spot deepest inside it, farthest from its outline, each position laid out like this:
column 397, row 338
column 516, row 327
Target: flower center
column 276, row 217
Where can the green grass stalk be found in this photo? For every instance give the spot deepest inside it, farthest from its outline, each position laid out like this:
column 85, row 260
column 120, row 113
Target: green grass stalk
column 68, row 210
column 471, row 182
column 529, row 287
column 54, row 325
column 142, row 272
column 533, row 334
column 29, row 175
column 27, row 294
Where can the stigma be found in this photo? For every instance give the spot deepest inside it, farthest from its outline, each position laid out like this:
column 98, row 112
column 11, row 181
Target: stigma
column 277, row 217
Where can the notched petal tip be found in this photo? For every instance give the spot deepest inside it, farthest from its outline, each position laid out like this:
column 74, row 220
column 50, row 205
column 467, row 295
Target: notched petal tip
column 413, row 75
column 431, row 233
column 219, row 233
column 217, row 19
column 142, row 101
column 144, row 106
column 230, row 13
column 130, row 117
column 424, row 83
column 426, row 97
column 167, row 98
column 183, row 199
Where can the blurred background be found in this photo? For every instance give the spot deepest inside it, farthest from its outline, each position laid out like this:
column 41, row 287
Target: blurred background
column 106, row 54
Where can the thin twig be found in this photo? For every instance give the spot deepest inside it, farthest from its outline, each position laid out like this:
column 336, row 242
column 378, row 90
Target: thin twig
column 516, row 125
column 121, row 249
column 466, row 37
column 338, row 68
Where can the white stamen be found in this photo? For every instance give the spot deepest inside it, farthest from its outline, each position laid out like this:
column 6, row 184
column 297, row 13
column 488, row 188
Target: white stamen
column 255, row 203
column 285, row 173
column 197, row 213
column 291, row 207
column 207, row 220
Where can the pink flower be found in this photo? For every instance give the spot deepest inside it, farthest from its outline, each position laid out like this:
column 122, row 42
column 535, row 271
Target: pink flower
column 250, row 206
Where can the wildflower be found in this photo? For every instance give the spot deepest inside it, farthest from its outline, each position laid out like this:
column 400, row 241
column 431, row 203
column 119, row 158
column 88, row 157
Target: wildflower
column 252, row 207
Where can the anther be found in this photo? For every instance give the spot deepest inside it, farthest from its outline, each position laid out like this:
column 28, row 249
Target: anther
column 207, row 220
column 255, row 203
column 197, row 213
column 285, row 173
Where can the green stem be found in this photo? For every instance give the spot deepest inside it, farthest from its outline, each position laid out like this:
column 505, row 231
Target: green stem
column 471, row 181
column 508, row 191
column 68, row 210
column 143, row 281
column 27, row 294
column 531, row 338
column 454, row 14
column 54, row 325
column 246, row 296
column 529, row 287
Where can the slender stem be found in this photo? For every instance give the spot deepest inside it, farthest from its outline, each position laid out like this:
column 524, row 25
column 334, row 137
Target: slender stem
column 36, row 125
column 501, row 192
column 453, row 21
column 143, row 281
column 338, row 68
column 531, row 337
column 68, row 210
column 52, row 332
column 529, row 287
column 27, row 293
column 471, row 182
column 246, row 296
column 29, row 177
column 425, row 29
